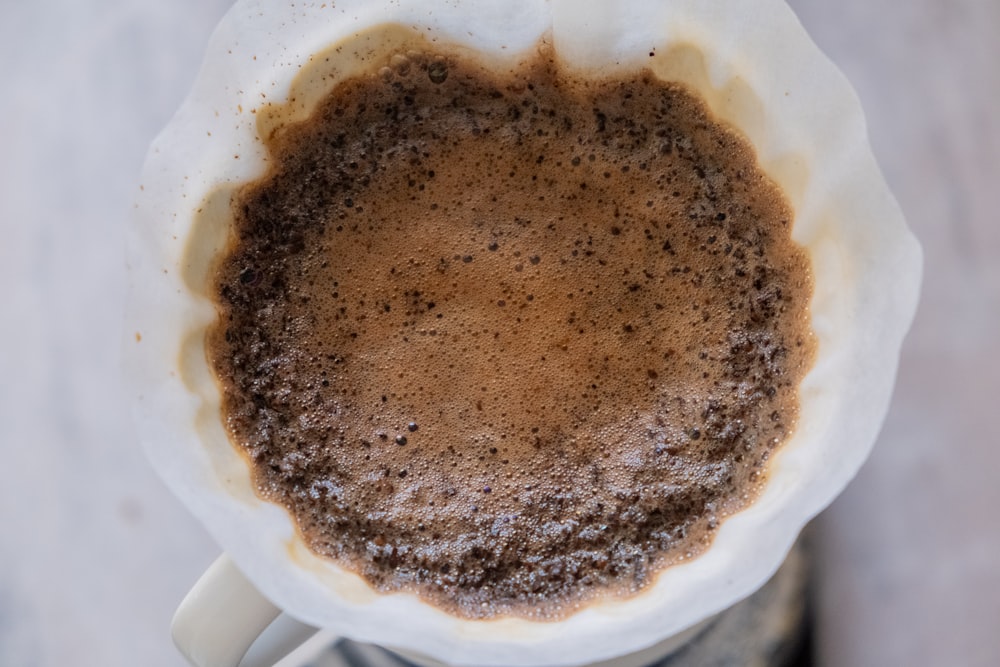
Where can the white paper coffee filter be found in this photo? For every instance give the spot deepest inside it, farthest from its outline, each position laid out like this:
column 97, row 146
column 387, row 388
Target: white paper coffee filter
column 754, row 65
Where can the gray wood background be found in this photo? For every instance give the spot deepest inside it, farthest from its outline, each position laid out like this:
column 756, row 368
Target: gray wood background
column 95, row 553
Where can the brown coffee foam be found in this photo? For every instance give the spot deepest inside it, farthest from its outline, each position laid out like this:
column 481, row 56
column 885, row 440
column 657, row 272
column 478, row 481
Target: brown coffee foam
column 572, row 317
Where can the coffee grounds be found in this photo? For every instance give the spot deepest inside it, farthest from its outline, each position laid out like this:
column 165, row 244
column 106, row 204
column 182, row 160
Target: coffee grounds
column 510, row 342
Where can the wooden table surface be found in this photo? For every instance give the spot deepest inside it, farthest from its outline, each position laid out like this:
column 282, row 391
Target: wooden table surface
column 95, row 553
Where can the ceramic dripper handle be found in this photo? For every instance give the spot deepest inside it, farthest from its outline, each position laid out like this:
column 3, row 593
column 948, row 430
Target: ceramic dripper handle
column 224, row 615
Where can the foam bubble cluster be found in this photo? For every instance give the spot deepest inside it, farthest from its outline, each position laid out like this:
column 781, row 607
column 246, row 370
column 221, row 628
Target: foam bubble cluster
column 510, row 341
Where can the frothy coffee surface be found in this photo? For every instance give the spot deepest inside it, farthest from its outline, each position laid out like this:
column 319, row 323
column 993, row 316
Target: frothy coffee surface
column 510, row 341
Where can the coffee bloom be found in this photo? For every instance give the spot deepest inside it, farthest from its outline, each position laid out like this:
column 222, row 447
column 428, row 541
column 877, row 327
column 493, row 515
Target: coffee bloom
column 269, row 66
